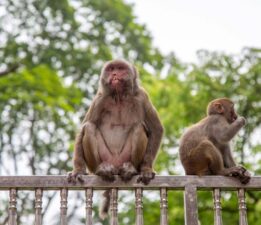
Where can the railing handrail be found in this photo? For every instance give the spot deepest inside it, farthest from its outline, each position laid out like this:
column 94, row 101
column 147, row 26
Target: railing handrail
column 91, row 181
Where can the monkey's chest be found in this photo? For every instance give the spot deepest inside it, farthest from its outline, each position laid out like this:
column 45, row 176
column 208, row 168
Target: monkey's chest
column 117, row 125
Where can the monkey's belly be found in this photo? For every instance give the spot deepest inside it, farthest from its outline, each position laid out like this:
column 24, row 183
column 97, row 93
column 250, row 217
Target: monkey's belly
column 115, row 137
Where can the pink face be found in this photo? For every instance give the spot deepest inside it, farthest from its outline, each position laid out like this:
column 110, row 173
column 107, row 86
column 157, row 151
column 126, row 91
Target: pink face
column 117, row 74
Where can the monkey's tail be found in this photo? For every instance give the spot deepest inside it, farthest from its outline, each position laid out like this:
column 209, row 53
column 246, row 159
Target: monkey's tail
column 104, row 208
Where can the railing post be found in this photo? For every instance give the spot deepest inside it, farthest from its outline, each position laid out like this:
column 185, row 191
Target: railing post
column 242, row 207
column 38, row 206
column 217, row 207
column 163, row 206
column 190, row 203
column 63, row 206
column 139, row 206
column 12, row 207
column 114, row 206
column 88, row 196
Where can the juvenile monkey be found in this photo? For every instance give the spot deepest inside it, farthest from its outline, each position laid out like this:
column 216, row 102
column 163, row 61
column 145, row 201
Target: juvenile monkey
column 204, row 147
column 121, row 132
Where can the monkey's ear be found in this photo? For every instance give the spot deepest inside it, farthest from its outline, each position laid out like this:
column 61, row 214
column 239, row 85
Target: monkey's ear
column 219, row 108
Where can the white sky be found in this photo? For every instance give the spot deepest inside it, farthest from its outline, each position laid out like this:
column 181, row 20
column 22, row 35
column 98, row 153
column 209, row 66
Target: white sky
column 185, row 26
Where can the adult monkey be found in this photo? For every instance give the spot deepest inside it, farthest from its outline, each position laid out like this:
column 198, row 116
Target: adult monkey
column 121, row 132
column 204, row 147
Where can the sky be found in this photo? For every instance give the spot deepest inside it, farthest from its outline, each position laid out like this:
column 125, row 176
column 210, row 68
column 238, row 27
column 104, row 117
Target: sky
column 185, row 26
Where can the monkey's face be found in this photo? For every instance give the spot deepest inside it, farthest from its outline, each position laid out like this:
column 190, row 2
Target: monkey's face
column 224, row 107
column 229, row 111
column 231, row 114
column 117, row 76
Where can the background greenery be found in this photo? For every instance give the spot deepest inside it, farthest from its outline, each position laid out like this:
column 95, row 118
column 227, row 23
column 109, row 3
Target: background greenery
column 51, row 53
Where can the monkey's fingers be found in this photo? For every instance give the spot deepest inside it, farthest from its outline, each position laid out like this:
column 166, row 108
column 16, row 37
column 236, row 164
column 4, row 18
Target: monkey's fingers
column 245, row 177
column 146, row 177
column 106, row 171
column 127, row 171
column 107, row 177
column 73, row 177
column 79, row 178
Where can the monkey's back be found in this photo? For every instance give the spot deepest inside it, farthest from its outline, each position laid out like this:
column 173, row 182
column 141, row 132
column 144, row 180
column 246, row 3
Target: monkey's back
column 194, row 135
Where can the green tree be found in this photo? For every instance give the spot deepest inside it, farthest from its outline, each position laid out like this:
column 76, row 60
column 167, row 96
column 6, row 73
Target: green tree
column 51, row 53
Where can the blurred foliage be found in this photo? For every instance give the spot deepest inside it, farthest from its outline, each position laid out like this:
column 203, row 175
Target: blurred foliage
column 51, row 53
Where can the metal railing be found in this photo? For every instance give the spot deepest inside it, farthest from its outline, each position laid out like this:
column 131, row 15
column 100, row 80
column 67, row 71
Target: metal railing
column 190, row 185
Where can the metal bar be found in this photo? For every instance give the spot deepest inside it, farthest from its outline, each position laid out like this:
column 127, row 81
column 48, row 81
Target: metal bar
column 12, row 220
column 163, row 206
column 114, row 206
column 63, row 206
column 38, row 206
column 88, row 195
column 217, row 207
column 242, row 207
column 190, row 203
column 139, row 206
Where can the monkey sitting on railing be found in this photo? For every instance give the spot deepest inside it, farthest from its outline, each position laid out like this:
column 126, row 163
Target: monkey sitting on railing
column 204, row 147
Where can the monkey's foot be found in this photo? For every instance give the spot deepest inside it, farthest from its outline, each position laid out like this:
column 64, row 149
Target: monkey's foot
column 127, row 171
column 241, row 173
column 146, row 176
column 73, row 177
column 245, row 178
column 106, row 171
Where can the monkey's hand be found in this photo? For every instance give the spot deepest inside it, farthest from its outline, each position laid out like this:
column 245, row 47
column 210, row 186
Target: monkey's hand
column 146, row 175
column 244, row 176
column 242, row 121
column 74, row 176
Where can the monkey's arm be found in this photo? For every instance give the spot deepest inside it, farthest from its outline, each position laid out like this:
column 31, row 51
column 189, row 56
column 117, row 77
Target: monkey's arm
column 227, row 157
column 155, row 132
column 79, row 165
column 225, row 132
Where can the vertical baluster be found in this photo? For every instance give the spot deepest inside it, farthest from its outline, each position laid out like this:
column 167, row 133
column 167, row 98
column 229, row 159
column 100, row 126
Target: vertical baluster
column 12, row 207
column 242, row 207
column 139, row 206
column 63, row 205
column 191, row 207
column 38, row 206
column 163, row 206
column 217, row 207
column 114, row 206
column 88, row 194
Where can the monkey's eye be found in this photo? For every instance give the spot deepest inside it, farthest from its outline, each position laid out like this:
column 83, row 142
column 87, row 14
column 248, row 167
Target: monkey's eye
column 120, row 68
column 111, row 68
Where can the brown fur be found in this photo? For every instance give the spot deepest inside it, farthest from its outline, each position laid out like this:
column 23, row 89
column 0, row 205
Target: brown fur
column 204, row 147
column 121, row 132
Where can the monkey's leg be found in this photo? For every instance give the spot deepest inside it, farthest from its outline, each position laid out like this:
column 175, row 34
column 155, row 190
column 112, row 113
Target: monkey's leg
column 133, row 153
column 139, row 142
column 146, row 172
column 97, row 154
column 206, row 159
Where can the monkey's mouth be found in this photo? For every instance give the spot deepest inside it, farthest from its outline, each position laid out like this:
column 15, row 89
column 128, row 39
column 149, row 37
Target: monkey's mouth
column 234, row 118
column 115, row 81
